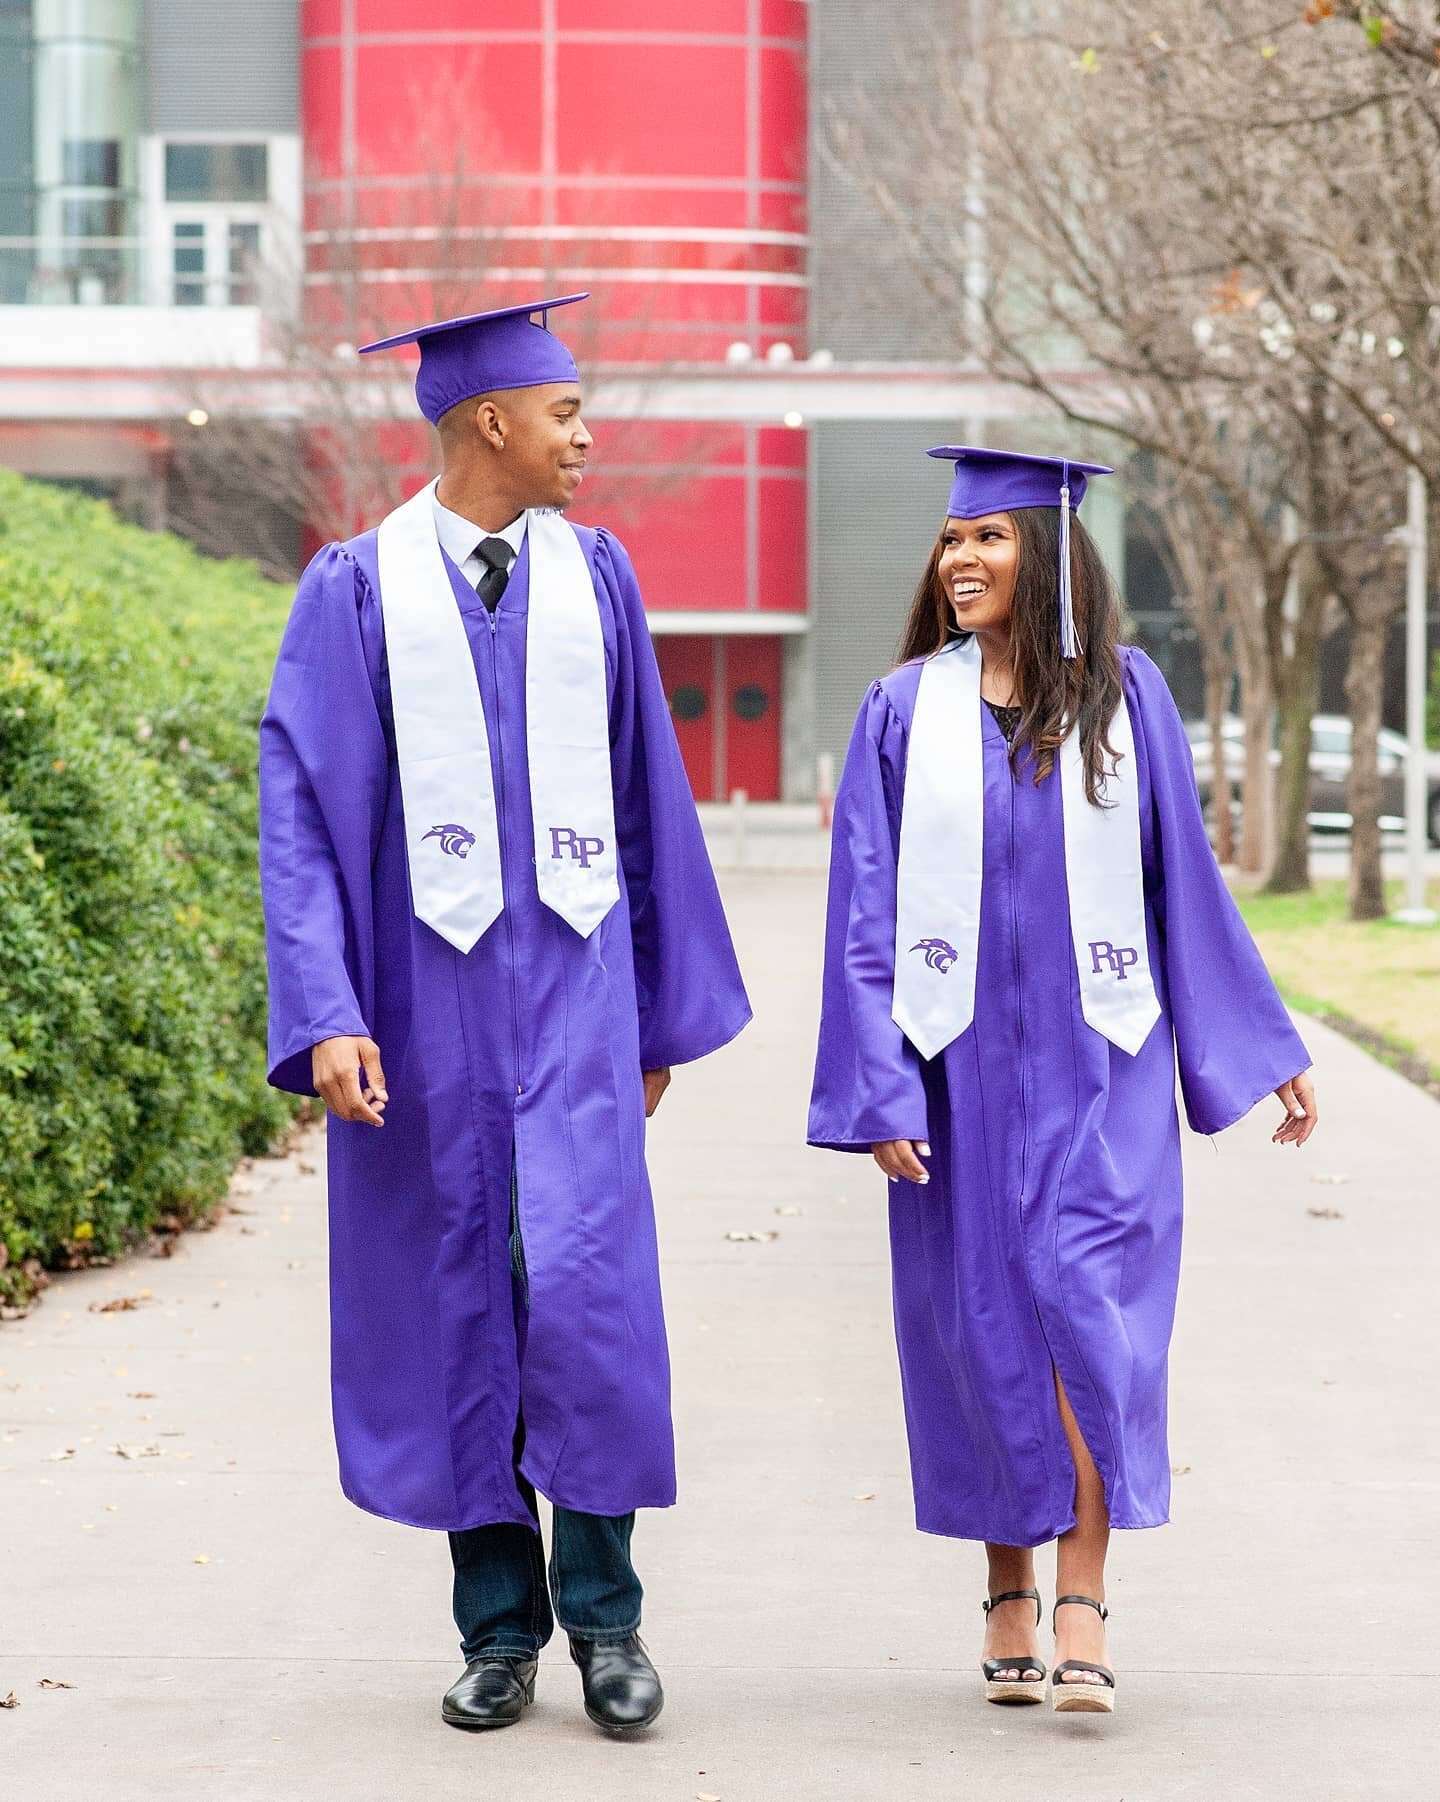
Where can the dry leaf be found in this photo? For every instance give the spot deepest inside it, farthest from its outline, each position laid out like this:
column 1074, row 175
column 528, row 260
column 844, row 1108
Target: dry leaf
column 868, row 1497
column 121, row 1304
column 202, row 1557
column 1333, row 1180
column 136, row 1451
column 789, row 1212
column 60, row 1457
column 141, row 1395
column 10, row 1701
column 52, row 1683
column 1179, row 1470
column 1324, row 1213
column 705, row 1795
column 753, row 1238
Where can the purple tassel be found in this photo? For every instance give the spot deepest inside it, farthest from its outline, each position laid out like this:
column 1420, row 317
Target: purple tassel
column 1069, row 638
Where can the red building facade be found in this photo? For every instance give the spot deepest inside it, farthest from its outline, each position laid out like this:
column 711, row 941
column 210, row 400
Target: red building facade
column 462, row 155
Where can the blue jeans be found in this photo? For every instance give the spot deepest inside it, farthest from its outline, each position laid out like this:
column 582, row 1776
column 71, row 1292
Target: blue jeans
column 503, row 1605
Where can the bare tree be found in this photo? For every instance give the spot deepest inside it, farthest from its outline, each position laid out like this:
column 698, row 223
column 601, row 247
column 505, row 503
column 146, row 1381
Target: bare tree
column 1177, row 250
column 340, row 443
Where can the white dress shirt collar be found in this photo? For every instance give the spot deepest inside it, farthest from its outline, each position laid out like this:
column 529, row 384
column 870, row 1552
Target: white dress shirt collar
column 459, row 536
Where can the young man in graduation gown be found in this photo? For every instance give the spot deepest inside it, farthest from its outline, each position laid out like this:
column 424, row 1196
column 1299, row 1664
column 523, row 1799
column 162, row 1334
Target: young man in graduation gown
column 492, row 930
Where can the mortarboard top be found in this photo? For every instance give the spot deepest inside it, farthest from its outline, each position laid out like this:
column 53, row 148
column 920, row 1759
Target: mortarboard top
column 991, row 481
column 483, row 353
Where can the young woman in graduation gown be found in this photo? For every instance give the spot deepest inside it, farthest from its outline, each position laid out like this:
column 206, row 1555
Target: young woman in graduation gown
column 1026, row 933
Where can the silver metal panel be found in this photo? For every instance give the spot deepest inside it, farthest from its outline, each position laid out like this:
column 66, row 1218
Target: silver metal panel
column 879, row 504
column 222, row 66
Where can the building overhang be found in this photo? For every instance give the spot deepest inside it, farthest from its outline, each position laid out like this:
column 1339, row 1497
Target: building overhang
column 118, row 387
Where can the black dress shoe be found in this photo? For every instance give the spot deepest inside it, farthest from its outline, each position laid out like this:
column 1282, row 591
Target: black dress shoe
column 492, row 1692
column 622, row 1687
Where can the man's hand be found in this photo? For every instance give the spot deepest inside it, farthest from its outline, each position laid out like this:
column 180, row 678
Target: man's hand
column 1298, row 1096
column 656, row 1083
column 337, row 1067
column 900, row 1159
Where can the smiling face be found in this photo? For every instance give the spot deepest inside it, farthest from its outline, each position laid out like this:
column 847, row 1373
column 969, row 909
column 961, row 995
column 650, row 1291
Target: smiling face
column 546, row 442
column 979, row 560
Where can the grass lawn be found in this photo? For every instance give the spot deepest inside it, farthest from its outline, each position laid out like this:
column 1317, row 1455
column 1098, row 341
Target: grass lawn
column 1382, row 978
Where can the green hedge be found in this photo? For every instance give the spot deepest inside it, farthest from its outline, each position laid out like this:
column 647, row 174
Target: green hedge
column 132, row 987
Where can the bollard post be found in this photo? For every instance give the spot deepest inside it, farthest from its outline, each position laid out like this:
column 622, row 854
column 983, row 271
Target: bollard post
column 825, row 789
column 738, row 802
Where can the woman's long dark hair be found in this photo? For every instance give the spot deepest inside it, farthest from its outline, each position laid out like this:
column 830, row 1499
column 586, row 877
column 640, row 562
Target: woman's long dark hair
column 1052, row 691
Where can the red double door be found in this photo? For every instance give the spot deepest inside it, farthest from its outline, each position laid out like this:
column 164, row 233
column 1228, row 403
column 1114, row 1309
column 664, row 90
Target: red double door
column 724, row 695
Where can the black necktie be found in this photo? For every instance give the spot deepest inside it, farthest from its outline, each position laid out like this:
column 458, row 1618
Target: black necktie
column 497, row 553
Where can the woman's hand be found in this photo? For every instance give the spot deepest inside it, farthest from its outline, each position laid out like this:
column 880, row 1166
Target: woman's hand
column 900, row 1159
column 1298, row 1096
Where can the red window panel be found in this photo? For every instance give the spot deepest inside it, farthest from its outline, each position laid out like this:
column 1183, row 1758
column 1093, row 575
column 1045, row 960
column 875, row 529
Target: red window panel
column 683, row 112
column 782, row 212
column 782, row 116
column 447, row 15
column 320, row 85
column 786, row 310
column 726, row 16
column 321, row 18
column 782, row 447
column 412, row 103
column 785, row 19
column 686, row 535
column 636, row 204
column 639, row 303
column 782, row 544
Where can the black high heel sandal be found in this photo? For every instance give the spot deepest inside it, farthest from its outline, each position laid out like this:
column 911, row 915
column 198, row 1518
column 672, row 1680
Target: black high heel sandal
column 1014, row 1689
column 1084, row 1698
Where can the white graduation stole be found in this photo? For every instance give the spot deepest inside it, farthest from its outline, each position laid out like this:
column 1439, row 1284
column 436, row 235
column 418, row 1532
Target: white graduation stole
column 442, row 742
column 937, row 912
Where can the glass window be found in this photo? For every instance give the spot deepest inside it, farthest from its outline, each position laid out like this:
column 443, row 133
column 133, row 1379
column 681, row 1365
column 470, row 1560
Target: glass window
column 90, row 163
column 1329, row 741
column 217, row 172
column 187, row 258
column 92, row 218
column 244, row 262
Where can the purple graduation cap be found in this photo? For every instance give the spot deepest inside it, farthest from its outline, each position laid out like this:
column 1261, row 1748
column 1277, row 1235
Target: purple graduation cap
column 483, row 353
column 992, row 481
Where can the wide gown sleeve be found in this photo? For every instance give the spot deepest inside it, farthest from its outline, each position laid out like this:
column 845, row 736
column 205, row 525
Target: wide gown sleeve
column 323, row 778
column 1234, row 1041
column 868, row 1084
column 689, row 993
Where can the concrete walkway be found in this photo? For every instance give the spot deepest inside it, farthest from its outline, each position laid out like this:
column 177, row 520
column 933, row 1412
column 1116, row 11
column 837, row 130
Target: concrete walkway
column 236, row 1632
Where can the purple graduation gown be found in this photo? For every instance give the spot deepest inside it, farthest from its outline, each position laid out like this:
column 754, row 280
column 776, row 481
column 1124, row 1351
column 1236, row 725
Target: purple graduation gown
column 530, row 1047
column 1049, row 1232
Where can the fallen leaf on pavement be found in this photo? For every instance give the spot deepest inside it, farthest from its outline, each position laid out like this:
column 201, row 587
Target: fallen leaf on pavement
column 52, row 1683
column 141, row 1395
column 60, row 1457
column 705, row 1795
column 1321, row 1178
column 1179, row 1470
column 789, row 1211
column 752, row 1238
column 136, row 1451
column 10, row 1701
column 202, row 1557
column 1324, row 1213
column 869, row 1497
column 121, row 1304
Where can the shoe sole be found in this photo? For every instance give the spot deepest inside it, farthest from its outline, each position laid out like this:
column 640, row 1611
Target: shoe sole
column 1084, row 1698
column 626, row 1727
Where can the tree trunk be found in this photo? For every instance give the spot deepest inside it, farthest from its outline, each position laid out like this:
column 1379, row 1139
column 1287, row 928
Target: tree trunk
column 1296, row 694
column 1256, row 703
column 1217, row 689
column 1364, row 678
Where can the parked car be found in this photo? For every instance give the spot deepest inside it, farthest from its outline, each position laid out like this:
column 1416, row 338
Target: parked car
column 1329, row 772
